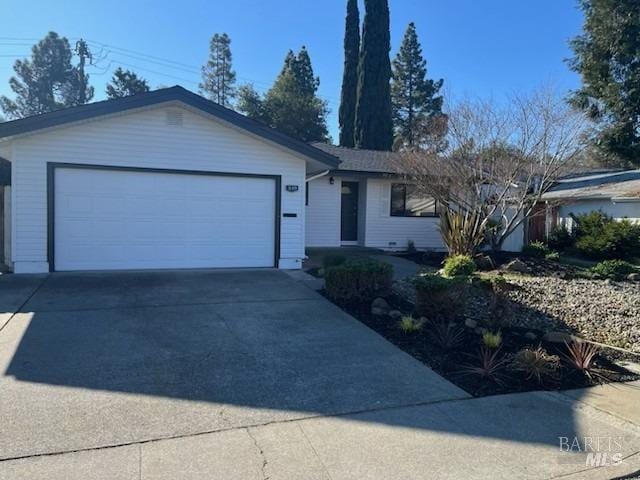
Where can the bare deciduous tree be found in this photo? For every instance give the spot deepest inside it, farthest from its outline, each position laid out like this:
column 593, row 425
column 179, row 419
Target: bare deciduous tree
column 500, row 159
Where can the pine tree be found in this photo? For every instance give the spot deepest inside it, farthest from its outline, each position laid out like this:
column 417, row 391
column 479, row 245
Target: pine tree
column 125, row 83
column 250, row 103
column 413, row 96
column 348, row 97
column 607, row 56
column 291, row 105
column 373, row 124
column 46, row 82
column 218, row 77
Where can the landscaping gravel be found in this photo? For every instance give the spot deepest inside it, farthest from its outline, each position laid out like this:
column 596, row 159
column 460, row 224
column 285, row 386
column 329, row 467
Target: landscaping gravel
column 598, row 310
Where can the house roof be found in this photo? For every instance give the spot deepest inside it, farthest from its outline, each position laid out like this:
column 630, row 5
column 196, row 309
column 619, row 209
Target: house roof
column 175, row 93
column 602, row 185
column 364, row 161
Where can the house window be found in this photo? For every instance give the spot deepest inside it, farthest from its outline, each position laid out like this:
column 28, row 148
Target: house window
column 406, row 202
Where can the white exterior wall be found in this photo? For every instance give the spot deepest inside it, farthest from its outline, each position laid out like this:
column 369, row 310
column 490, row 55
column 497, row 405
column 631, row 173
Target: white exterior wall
column 145, row 139
column 7, row 225
column 384, row 231
column 629, row 210
column 323, row 213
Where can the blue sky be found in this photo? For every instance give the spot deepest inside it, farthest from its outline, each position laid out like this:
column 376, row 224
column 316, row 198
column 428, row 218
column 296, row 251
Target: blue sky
column 487, row 48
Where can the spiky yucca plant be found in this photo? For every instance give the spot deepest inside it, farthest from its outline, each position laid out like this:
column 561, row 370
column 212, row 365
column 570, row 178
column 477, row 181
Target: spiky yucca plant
column 462, row 232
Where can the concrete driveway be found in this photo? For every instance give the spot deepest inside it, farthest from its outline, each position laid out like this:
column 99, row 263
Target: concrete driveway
column 241, row 375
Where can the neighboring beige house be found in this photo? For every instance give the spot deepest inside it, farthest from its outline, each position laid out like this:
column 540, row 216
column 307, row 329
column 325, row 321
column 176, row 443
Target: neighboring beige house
column 615, row 193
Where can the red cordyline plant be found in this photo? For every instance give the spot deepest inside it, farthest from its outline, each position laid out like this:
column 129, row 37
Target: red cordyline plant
column 581, row 356
column 489, row 367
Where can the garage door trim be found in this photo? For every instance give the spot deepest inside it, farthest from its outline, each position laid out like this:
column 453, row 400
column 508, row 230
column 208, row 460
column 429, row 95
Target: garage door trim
column 51, row 168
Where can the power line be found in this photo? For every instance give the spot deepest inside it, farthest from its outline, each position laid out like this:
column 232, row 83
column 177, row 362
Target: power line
column 110, row 52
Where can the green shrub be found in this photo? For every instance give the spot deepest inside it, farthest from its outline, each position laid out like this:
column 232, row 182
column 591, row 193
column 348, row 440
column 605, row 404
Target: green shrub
column 408, row 324
column 459, row 265
column 329, row 261
column 436, row 295
column 535, row 250
column 599, row 237
column 358, row 281
column 560, row 238
column 492, row 340
column 552, row 257
column 614, row 269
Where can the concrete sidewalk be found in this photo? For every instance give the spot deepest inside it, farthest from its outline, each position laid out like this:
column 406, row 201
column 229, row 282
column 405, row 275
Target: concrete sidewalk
column 503, row 437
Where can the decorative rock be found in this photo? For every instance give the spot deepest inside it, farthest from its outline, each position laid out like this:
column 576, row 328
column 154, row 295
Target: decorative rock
column 480, row 330
column 423, row 320
column 530, row 336
column 633, row 277
column 484, row 262
column 395, row 314
column 380, row 306
column 470, row 323
column 558, row 337
column 517, row 265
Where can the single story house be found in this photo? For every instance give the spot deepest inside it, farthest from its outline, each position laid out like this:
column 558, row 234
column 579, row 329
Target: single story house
column 169, row 179
column 615, row 193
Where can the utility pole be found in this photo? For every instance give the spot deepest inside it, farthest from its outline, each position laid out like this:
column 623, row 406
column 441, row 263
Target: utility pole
column 82, row 50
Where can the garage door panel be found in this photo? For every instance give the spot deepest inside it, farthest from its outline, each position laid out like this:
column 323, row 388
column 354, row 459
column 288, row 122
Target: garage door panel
column 107, row 219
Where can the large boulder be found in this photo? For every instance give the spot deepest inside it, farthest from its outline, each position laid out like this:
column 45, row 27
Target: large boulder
column 484, row 262
column 518, row 266
column 380, row 307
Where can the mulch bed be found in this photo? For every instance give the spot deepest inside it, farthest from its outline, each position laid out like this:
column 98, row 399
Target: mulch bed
column 449, row 363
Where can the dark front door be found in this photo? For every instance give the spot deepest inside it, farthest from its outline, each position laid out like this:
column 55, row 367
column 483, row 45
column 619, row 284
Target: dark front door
column 349, row 212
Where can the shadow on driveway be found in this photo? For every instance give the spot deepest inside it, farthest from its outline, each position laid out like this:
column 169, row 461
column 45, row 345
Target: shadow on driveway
column 112, row 358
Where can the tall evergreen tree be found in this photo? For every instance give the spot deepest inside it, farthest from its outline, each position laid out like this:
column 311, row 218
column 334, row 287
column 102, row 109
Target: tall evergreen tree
column 607, row 56
column 125, row 83
column 349, row 95
column 413, row 96
column 46, row 82
column 218, row 77
column 291, row 105
column 250, row 102
column 374, row 125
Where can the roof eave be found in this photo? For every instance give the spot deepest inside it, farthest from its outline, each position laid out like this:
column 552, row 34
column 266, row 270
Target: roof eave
column 176, row 93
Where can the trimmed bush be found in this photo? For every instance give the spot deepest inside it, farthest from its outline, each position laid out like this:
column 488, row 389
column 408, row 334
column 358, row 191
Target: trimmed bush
column 436, row 295
column 560, row 238
column 535, row 250
column 358, row 281
column 599, row 237
column 459, row 265
column 552, row 257
column 329, row 261
column 613, row 269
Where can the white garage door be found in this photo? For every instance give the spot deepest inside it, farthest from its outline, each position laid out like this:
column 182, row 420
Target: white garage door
column 119, row 219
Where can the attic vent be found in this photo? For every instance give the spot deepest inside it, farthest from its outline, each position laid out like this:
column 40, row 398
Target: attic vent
column 174, row 118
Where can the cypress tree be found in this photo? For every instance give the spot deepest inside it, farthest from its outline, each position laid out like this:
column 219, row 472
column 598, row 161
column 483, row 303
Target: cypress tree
column 413, row 96
column 374, row 125
column 348, row 98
